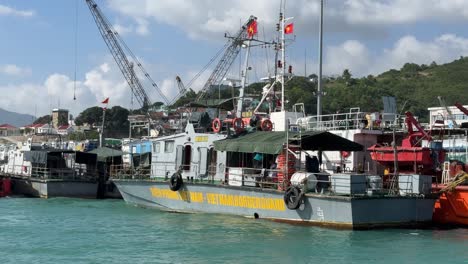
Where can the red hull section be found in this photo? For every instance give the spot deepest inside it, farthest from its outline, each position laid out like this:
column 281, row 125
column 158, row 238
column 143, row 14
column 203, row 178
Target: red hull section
column 406, row 156
column 451, row 207
column 5, row 187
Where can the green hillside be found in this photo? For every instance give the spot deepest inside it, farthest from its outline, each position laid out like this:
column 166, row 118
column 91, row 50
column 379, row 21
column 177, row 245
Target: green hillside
column 417, row 85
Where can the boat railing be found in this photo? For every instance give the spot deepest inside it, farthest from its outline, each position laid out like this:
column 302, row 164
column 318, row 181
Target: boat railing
column 44, row 173
column 162, row 170
column 344, row 121
column 347, row 184
column 129, row 172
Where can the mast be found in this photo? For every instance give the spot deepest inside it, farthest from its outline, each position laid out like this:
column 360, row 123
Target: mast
column 283, row 55
column 240, row 102
column 319, row 81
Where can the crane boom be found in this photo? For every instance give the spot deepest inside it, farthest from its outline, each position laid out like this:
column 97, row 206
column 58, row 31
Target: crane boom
column 112, row 40
column 182, row 89
column 461, row 108
column 449, row 112
column 233, row 48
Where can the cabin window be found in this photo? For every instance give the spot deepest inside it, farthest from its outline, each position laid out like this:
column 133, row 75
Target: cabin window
column 156, row 147
column 169, row 146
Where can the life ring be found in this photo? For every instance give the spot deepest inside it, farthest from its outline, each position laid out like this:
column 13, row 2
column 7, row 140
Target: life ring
column 266, row 125
column 216, row 125
column 238, row 124
column 345, row 154
column 175, row 182
column 293, row 197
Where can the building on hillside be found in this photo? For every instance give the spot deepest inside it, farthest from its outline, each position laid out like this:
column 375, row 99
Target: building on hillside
column 64, row 130
column 439, row 117
column 38, row 129
column 59, row 117
column 135, row 150
column 8, row 130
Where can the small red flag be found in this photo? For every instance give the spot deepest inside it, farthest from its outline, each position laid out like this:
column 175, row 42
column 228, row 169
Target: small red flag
column 106, row 101
column 252, row 29
column 289, row 28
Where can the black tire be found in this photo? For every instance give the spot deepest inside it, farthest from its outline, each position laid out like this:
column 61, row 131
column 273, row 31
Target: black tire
column 293, row 197
column 175, row 182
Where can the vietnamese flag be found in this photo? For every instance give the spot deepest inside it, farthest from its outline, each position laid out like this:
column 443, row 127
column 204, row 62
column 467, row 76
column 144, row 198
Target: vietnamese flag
column 289, row 28
column 252, row 29
column 106, row 101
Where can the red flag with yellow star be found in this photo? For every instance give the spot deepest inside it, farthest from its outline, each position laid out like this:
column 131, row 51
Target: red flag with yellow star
column 252, row 29
column 289, row 28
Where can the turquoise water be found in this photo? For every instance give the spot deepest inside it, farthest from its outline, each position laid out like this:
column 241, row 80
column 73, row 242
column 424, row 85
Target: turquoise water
column 65, row 230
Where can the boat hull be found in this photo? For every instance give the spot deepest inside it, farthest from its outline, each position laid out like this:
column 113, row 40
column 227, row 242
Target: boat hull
column 5, row 186
column 452, row 207
column 324, row 210
column 54, row 188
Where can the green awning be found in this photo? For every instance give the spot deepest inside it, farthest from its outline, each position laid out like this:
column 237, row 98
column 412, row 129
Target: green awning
column 105, row 152
column 225, row 104
column 273, row 142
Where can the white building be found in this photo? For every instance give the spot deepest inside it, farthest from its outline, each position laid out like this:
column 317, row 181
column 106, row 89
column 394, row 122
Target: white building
column 439, row 116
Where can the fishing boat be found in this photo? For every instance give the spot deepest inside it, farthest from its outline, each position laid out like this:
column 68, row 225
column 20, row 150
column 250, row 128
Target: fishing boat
column 38, row 171
column 258, row 173
column 419, row 154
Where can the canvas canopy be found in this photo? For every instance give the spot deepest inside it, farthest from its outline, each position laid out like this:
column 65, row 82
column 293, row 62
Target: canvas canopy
column 104, row 153
column 225, row 104
column 274, row 142
column 41, row 156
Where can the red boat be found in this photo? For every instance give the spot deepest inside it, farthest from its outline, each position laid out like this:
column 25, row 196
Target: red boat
column 5, row 187
column 452, row 206
column 411, row 157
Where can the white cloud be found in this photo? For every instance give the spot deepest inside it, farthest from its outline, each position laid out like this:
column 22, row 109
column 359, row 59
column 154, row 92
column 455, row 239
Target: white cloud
column 14, row 70
column 208, row 18
column 352, row 54
column 121, row 29
column 356, row 57
column 404, row 11
column 58, row 90
column 9, row 11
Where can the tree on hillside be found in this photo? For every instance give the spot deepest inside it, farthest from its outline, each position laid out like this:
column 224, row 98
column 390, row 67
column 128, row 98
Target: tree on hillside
column 91, row 116
column 116, row 124
column 346, row 75
column 43, row 120
column 62, row 120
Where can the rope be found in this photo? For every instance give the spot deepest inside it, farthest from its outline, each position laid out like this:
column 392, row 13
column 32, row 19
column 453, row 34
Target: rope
column 460, row 178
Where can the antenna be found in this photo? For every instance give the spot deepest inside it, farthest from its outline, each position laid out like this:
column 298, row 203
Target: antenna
column 76, row 49
column 305, row 62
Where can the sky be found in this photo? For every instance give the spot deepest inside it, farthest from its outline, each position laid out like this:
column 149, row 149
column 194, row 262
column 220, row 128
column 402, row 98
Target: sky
column 51, row 51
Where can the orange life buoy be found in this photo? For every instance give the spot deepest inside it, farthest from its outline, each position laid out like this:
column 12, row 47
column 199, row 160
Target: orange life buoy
column 237, row 124
column 266, row 125
column 216, row 125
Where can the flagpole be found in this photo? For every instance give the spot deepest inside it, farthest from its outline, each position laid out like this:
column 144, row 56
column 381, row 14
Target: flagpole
column 283, row 55
column 102, row 126
column 319, row 81
column 106, row 102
